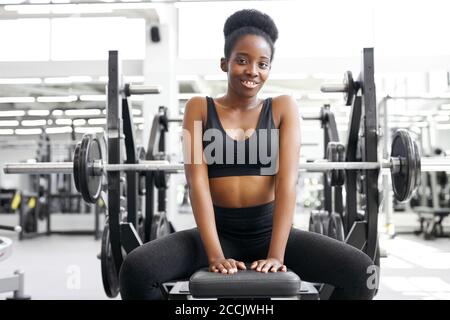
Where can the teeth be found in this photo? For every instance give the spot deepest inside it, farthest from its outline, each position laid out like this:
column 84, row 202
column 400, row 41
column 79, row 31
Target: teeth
column 249, row 83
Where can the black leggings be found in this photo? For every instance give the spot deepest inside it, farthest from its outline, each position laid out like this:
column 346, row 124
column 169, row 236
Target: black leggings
column 314, row 257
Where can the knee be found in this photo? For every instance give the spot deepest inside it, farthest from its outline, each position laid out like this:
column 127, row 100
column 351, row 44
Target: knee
column 137, row 281
column 365, row 277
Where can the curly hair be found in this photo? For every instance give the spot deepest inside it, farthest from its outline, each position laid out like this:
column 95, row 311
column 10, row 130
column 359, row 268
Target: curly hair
column 249, row 21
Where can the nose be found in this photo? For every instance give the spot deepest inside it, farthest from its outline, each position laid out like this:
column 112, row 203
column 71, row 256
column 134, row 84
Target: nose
column 251, row 70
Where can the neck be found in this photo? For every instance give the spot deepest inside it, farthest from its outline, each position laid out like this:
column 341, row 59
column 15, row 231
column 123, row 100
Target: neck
column 239, row 102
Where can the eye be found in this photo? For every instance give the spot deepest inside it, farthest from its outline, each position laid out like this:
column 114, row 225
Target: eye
column 264, row 65
column 241, row 60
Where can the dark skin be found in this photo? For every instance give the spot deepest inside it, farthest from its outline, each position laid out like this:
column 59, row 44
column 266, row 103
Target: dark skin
column 247, row 68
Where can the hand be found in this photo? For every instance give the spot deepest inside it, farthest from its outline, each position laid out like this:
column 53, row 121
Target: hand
column 223, row 265
column 271, row 264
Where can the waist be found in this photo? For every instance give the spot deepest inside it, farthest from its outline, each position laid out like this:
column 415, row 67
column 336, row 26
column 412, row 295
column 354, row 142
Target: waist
column 245, row 222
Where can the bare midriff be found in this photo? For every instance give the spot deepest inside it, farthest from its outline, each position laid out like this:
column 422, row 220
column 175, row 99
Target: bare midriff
column 242, row 191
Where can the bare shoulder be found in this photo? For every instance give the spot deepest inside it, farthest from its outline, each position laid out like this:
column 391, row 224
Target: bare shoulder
column 284, row 106
column 195, row 108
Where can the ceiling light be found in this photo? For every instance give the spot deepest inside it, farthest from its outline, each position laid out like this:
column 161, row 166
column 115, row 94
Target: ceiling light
column 21, row 81
column 57, row 99
column 89, row 129
column 28, row 131
column 93, row 97
column 17, row 99
column 58, row 130
column 9, row 123
column 38, row 112
column 6, row 132
column 66, row 122
column 12, row 113
column 97, row 121
column 65, row 80
column 34, row 123
column 79, row 122
column 83, row 112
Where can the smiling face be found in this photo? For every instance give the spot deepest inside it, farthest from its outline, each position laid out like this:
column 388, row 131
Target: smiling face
column 248, row 65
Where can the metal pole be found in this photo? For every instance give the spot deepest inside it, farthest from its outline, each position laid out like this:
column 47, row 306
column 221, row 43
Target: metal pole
column 428, row 164
column 333, row 88
column 144, row 89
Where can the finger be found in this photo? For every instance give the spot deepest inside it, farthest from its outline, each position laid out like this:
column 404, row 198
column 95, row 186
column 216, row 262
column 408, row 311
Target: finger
column 284, row 268
column 254, row 264
column 274, row 268
column 228, row 266
column 222, row 269
column 241, row 265
column 213, row 269
column 261, row 264
column 266, row 267
column 233, row 264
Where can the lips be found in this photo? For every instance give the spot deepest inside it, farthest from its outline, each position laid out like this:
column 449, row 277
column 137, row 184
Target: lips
column 249, row 84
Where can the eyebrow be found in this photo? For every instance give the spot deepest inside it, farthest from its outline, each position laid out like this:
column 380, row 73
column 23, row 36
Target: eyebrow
column 245, row 54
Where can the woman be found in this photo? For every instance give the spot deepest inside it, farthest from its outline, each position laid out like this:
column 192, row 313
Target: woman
column 243, row 186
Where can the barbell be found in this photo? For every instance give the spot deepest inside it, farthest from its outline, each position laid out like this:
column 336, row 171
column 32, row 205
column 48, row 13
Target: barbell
column 88, row 166
column 348, row 87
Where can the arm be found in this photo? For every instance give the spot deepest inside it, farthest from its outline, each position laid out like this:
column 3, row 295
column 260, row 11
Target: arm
column 286, row 178
column 285, row 185
column 197, row 178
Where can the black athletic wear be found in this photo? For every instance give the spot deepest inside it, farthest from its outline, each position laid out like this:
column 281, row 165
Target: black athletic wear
column 244, row 235
column 254, row 156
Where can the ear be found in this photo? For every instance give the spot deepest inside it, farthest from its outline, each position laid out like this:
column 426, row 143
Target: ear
column 224, row 64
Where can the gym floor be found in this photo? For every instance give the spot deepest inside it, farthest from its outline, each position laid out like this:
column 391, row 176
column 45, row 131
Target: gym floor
column 61, row 267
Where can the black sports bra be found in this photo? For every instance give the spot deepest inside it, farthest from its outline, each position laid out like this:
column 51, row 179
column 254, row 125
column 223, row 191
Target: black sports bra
column 254, row 156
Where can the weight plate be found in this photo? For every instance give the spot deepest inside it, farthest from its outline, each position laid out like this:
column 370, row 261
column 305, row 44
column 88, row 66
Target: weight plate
column 350, row 88
column 160, row 226
column 335, row 153
column 418, row 169
column 90, row 184
column 76, row 166
column 341, row 158
column 335, row 227
column 406, row 179
column 140, row 153
column 324, row 218
column 110, row 277
column 315, row 222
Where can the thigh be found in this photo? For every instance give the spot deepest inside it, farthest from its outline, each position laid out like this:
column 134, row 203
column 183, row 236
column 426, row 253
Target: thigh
column 318, row 258
column 174, row 256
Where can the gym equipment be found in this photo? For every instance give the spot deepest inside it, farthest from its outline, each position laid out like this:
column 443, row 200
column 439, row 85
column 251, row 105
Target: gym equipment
column 110, row 276
column 88, row 167
column 15, row 283
column 348, row 87
column 335, row 153
column 206, row 284
column 157, row 223
column 323, row 222
column 121, row 233
column 335, row 227
column 410, row 177
column 88, row 184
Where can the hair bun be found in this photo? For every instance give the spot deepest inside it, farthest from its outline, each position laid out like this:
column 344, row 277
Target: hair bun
column 251, row 18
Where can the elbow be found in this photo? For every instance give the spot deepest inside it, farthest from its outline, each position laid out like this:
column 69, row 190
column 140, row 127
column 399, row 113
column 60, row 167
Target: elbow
column 194, row 181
